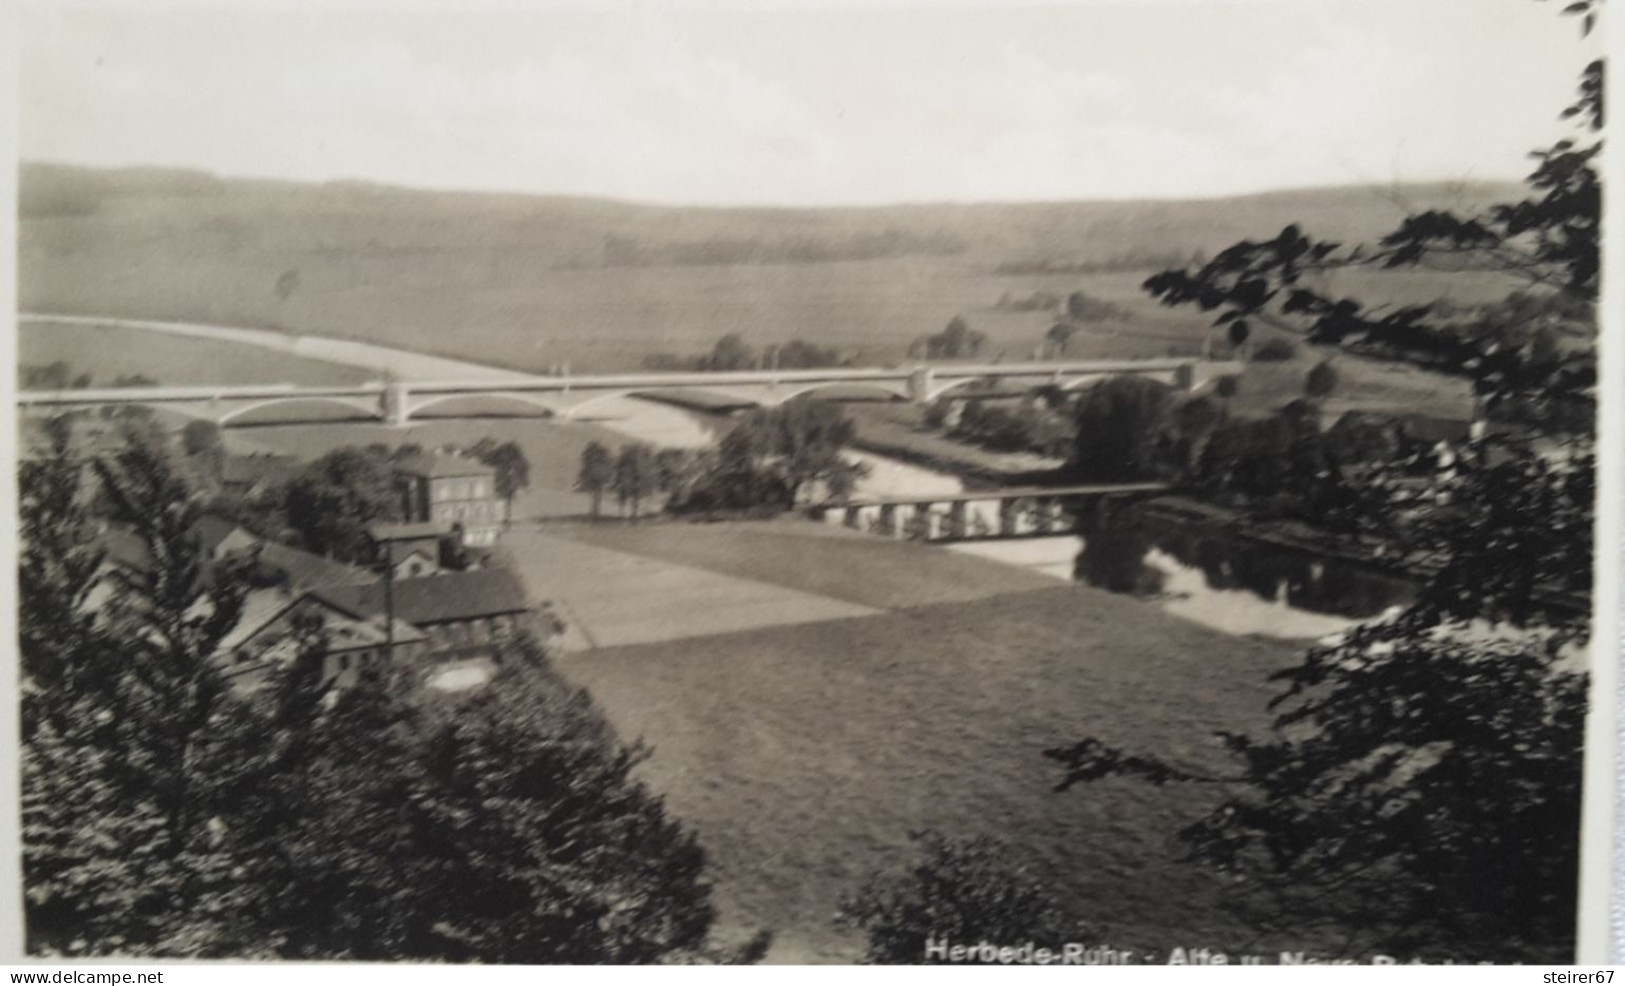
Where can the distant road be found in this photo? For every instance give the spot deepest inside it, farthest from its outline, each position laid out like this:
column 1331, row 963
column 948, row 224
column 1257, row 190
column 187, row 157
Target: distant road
column 384, row 360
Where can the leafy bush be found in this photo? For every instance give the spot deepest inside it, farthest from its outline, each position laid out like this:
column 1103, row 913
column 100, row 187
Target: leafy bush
column 959, row 891
column 1275, row 351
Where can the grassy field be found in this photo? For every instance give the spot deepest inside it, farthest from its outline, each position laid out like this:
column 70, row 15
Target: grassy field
column 814, row 558
column 107, row 353
column 610, row 597
column 524, row 282
column 805, row 755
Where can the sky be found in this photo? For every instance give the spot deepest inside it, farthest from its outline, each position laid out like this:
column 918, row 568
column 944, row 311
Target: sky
column 768, row 102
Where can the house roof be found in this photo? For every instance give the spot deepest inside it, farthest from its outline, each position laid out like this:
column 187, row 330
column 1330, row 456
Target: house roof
column 302, row 569
column 210, row 532
column 265, row 608
column 433, row 465
column 1429, row 428
column 125, row 549
column 444, row 598
column 308, row 571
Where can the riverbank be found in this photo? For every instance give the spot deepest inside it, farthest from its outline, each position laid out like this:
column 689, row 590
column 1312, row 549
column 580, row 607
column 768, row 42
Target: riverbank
column 886, row 430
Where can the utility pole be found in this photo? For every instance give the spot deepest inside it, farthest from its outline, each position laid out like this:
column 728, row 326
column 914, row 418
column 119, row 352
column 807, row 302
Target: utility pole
column 389, row 602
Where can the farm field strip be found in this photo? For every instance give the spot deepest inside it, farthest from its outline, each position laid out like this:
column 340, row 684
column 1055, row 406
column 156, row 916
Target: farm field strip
column 805, row 754
column 815, row 558
column 618, row 598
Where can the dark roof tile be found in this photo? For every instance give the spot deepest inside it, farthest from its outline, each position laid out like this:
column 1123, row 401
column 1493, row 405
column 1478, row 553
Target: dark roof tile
column 434, row 599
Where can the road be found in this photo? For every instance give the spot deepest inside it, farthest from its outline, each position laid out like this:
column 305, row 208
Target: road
column 386, row 361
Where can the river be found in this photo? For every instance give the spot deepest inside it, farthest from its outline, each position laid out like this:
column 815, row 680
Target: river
column 1222, row 583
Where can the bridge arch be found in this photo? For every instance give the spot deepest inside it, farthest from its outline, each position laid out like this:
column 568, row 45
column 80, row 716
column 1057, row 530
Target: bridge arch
column 949, row 387
column 598, row 397
column 776, row 397
column 530, row 400
column 369, row 408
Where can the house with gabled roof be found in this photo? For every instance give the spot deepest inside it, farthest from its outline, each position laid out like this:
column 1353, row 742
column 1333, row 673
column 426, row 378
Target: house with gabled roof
column 461, row 613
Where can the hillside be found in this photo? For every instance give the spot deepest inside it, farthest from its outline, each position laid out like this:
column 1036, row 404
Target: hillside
column 531, row 281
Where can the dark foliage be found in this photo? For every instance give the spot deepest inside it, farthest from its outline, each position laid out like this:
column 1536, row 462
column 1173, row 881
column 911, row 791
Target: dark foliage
column 1275, row 351
column 167, row 815
column 957, row 341
column 962, row 891
column 770, row 459
column 1121, row 424
column 331, row 503
column 1420, row 790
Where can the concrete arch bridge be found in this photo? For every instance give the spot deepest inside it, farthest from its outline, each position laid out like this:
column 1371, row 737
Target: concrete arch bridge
column 397, row 402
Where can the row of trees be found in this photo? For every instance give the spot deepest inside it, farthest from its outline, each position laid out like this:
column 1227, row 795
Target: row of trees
column 1029, row 424
column 769, row 460
column 732, row 352
column 166, row 814
column 1132, row 424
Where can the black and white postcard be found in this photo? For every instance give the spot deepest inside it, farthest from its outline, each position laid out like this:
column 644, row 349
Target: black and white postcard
column 1104, row 483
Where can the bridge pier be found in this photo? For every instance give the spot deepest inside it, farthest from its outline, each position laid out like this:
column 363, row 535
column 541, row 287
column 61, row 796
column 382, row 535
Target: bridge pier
column 1185, row 374
column 920, row 383
column 886, row 522
column 920, row 524
column 393, row 406
column 1051, row 516
column 1008, row 517
column 853, row 516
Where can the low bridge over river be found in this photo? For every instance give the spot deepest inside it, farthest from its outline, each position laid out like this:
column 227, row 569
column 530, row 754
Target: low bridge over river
column 397, row 402
column 978, row 514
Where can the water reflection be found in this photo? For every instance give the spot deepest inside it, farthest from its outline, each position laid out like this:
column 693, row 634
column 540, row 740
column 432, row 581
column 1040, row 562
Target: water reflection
column 1234, row 585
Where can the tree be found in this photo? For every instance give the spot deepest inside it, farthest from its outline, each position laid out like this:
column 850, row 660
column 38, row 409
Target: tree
column 203, row 445
column 1420, row 788
column 731, row 353
column 596, row 475
column 63, row 649
column 1121, row 422
column 512, row 470
column 1060, row 336
column 1275, row 351
column 636, row 475
column 801, row 442
column 959, row 339
column 958, row 892
column 122, row 786
column 1240, row 331
column 1082, row 308
column 286, row 284
column 164, row 816
column 333, row 501
column 503, row 825
column 1321, row 381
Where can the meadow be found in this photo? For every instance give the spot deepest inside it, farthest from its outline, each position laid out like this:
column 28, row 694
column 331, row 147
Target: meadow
column 528, row 282
column 804, row 755
column 108, row 353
